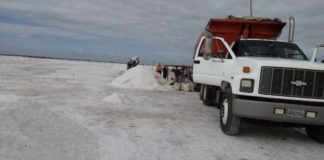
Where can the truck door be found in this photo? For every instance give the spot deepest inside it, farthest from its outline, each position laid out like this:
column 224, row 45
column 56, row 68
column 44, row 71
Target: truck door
column 213, row 61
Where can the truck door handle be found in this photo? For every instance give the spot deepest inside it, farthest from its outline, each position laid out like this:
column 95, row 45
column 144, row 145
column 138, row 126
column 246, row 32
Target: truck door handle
column 196, row 62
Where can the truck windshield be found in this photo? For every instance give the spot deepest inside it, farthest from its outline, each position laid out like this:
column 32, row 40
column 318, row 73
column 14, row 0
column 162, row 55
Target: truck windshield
column 255, row 48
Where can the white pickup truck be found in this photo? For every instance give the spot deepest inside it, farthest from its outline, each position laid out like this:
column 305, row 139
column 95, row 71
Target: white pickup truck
column 259, row 78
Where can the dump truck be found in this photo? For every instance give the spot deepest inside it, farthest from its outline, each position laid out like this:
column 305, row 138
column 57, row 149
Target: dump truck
column 247, row 73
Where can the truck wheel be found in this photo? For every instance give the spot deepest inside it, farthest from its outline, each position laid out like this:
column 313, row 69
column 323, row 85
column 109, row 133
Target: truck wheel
column 230, row 123
column 197, row 87
column 217, row 97
column 207, row 96
column 316, row 133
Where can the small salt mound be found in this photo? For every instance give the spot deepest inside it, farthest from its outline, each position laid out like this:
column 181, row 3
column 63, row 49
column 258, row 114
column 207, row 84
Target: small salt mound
column 114, row 98
column 141, row 77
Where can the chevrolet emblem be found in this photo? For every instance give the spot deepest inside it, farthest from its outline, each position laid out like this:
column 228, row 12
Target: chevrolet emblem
column 298, row 83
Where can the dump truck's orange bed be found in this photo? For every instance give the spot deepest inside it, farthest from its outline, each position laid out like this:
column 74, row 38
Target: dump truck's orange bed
column 231, row 28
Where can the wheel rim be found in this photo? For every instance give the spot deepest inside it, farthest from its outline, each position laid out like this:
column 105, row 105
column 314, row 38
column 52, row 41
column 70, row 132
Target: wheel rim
column 224, row 111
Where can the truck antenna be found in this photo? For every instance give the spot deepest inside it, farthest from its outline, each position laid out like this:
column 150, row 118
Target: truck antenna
column 251, row 8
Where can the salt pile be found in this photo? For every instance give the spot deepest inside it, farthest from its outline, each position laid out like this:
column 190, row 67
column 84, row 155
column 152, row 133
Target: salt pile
column 141, row 77
column 114, row 98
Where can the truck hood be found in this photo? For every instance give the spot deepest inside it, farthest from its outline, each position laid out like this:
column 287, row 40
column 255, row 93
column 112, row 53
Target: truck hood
column 279, row 62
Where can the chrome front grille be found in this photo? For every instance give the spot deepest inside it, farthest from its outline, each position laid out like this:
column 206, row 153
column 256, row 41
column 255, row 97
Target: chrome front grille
column 292, row 82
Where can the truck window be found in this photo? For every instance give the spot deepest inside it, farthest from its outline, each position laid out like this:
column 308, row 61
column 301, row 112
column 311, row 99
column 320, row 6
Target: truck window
column 219, row 49
column 201, row 49
column 235, row 47
column 320, row 56
column 255, row 48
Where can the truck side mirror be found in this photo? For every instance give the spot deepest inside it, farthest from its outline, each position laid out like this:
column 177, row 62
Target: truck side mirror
column 207, row 45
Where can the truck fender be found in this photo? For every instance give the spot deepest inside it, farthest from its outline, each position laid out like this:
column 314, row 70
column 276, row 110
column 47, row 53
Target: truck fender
column 225, row 85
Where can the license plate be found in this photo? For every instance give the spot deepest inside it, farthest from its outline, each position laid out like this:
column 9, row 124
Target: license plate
column 295, row 113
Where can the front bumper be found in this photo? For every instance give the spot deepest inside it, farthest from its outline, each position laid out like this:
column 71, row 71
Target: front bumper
column 264, row 110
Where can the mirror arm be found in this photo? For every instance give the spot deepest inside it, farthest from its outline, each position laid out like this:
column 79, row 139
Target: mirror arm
column 221, row 59
column 217, row 56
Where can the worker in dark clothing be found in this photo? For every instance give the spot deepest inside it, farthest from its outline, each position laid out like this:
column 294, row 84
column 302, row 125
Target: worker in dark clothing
column 129, row 65
column 165, row 71
column 190, row 74
column 134, row 61
column 177, row 74
column 159, row 68
column 182, row 73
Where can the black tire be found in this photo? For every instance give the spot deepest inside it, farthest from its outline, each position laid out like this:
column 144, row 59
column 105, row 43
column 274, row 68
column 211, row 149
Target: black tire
column 207, row 96
column 197, row 87
column 316, row 133
column 217, row 97
column 229, row 123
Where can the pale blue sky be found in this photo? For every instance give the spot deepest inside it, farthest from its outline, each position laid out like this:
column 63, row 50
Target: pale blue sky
column 116, row 30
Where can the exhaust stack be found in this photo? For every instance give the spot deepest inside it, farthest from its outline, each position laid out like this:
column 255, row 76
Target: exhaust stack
column 291, row 29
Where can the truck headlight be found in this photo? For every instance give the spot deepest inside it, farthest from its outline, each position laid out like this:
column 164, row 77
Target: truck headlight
column 247, row 85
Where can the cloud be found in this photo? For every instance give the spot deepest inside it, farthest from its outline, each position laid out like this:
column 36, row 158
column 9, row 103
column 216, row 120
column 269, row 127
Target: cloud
column 163, row 24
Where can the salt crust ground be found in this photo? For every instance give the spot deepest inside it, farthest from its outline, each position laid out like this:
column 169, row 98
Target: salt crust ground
column 67, row 110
